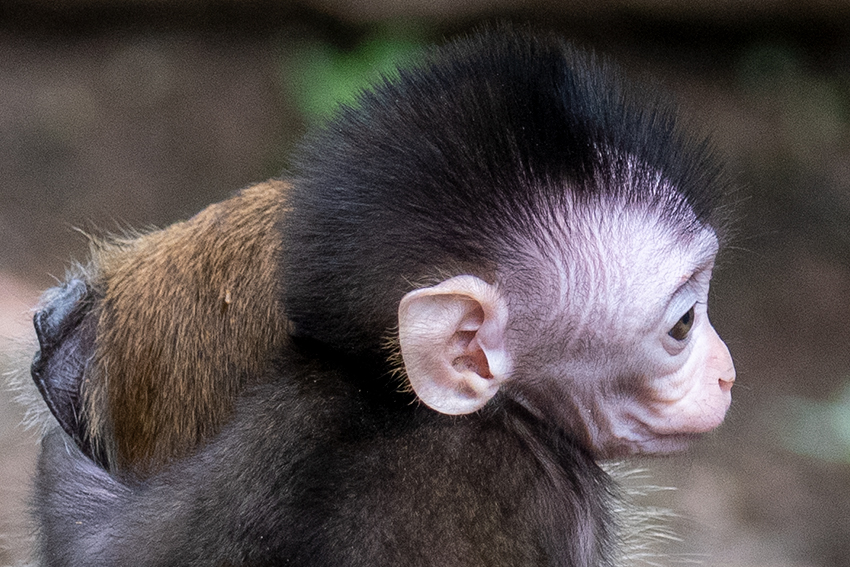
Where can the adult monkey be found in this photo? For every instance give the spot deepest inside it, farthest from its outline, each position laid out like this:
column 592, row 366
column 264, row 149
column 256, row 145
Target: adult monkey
column 205, row 293
column 524, row 241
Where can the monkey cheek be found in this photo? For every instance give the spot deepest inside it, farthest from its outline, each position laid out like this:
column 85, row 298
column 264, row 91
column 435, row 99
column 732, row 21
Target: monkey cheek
column 705, row 406
column 700, row 402
column 699, row 412
column 664, row 426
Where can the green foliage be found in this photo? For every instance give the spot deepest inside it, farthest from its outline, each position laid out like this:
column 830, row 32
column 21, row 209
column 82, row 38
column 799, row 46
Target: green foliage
column 819, row 429
column 320, row 76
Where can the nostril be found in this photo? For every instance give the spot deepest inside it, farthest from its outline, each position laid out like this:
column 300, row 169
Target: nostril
column 726, row 384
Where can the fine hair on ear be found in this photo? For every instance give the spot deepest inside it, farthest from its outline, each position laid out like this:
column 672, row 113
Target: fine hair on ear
column 452, row 341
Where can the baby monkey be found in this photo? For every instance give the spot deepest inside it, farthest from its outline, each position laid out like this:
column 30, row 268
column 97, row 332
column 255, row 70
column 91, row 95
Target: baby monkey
column 479, row 280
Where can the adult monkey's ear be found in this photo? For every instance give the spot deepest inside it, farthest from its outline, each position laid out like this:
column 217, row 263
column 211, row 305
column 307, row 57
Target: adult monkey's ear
column 452, row 339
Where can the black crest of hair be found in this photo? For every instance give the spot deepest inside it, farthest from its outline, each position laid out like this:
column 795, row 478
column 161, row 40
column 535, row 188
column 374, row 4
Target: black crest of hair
column 456, row 160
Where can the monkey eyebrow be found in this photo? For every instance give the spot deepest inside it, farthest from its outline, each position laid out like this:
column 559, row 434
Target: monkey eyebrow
column 690, row 279
column 691, row 285
column 688, row 288
column 702, row 260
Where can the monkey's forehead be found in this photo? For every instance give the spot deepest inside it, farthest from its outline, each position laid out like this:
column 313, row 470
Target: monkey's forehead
column 620, row 265
column 620, row 235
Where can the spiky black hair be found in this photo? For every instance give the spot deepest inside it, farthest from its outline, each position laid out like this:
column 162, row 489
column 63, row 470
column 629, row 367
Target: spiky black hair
column 450, row 164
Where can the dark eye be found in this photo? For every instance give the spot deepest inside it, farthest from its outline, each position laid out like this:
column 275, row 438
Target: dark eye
column 683, row 326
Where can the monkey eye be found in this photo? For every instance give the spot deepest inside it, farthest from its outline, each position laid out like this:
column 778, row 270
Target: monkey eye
column 683, row 326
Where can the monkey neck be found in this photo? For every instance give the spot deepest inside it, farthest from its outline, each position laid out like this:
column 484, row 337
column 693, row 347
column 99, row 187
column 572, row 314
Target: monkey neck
column 369, row 374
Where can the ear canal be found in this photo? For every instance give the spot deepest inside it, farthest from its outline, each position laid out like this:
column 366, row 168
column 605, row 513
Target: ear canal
column 452, row 339
column 473, row 359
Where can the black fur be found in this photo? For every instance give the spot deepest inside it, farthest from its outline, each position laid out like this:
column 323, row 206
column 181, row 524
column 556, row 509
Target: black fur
column 313, row 471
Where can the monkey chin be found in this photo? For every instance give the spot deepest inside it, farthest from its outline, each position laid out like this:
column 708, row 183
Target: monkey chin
column 670, row 443
column 652, row 445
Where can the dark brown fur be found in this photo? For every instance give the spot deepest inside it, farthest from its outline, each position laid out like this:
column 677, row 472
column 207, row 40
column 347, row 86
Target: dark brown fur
column 204, row 292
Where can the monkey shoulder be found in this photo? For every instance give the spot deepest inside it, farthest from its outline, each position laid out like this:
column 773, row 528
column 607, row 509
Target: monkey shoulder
column 388, row 484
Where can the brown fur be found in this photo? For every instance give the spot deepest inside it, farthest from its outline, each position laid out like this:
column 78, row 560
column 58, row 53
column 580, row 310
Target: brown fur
column 188, row 315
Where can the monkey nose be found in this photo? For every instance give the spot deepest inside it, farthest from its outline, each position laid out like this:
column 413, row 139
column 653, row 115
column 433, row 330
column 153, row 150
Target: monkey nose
column 721, row 362
column 727, row 378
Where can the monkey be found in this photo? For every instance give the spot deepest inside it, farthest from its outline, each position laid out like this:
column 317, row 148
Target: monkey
column 153, row 396
column 484, row 277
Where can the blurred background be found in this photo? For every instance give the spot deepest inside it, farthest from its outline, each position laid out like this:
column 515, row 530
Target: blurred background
column 137, row 113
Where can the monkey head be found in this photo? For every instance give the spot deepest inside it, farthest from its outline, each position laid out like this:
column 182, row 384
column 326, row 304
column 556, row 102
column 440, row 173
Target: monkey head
column 615, row 345
column 552, row 242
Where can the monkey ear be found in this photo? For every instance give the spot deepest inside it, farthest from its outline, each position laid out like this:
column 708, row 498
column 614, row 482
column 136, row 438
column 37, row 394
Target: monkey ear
column 452, row 339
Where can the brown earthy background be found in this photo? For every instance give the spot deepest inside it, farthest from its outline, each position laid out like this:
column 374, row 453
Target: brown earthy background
column 117, row 114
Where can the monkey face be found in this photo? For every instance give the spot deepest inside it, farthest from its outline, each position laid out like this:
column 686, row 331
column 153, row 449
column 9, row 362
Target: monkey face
column 620, row 353
column 659, row 373
column 676, row 380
